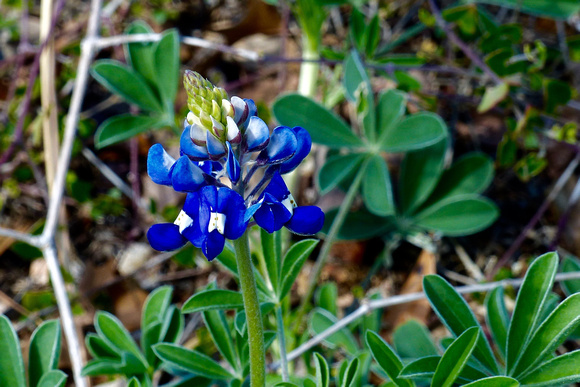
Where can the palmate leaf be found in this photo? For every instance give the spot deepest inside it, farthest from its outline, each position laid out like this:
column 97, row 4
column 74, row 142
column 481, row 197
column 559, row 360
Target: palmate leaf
column 531, row 297
column 425, row 367
column 215, row 321
column 357, row 85
column 390, row 109
column 293, row 262
column 558, row 9
column 166, row 62
column 324, row 126
column 140, row 55
column 494, row 381
column 54, row 378
column 336, row 169
column 322, row 371
column 454, row 312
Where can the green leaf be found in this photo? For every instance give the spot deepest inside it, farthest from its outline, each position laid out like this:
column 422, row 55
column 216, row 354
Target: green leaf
column 350, row 373
column 321, row 320
column 470, row 174
column 103, row 366
column 454, row 312
column 134, row 382
column 377, row 189
column 167, row 66
column 191, row 361
column 551, row 334
column 337, row 169
column 373, row 35
column 240, row 319
column 125, row 126
column 558, row 9
column 492, row 96
column 140, row 55
column 125, row 82
column 415, row 132
column 460, row 215
column 455, row 358
column 156, row 306
column 425, row 367
column 497, row 318
column 494, row 381
column 324, row 126
column 562, row 370
column 44, row 352
column 420, row 172
column 357, row 28
column 215, row 299
column 112, row 330
column 531, row 297
column 390, row 109
column 327, row 296
column 98, row 347
column 272, row 257
column 150, row 336
column 412, row 340
column 359, row 90
column 11, row 363
column 322, row 371
column 569, row 265
column 53, row 378
column 386, row 358
column 215, row 321
column 293, row 262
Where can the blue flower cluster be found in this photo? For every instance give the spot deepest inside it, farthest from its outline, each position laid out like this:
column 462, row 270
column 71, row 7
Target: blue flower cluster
column 223, row 145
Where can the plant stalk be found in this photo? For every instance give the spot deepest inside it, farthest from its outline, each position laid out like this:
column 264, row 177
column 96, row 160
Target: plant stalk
column 328, row 242
column 282, row 342
column 309, row 68
column 253, row 314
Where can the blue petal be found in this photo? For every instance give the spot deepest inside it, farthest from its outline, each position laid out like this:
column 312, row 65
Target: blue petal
column 213, row 245
column 231, row 204
column 303, row 149
column 214, row 146
column 252, row 210
column 253, row 109
column 306, row 220
column 277, row 187
column 159, row 165
column 282, row 146
column 186, row 176
column 233, row 165
column 264, row 217
column 188, row 148
column 191, row 207
column 256, row 134
column 165, row 237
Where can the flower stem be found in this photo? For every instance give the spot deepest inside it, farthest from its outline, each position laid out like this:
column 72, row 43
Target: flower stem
column 309, row 68
column 252, row 308
column 282, row 342
column 328, row 242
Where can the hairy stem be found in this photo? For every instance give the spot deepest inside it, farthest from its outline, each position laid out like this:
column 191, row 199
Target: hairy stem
column 282, row 342
column 328, row 242
column 253, row 314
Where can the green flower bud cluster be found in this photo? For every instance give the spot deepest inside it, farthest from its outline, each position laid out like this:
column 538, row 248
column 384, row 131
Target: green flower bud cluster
column 209, row 104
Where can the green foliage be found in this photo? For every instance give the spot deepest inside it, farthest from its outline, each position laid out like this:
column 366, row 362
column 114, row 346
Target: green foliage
column 43, row 357
column 431, row 198
column 527, row 341
column 116, row 353
column 149, row 81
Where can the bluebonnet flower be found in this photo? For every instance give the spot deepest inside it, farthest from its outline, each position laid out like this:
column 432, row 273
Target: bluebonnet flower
column 223, row 144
